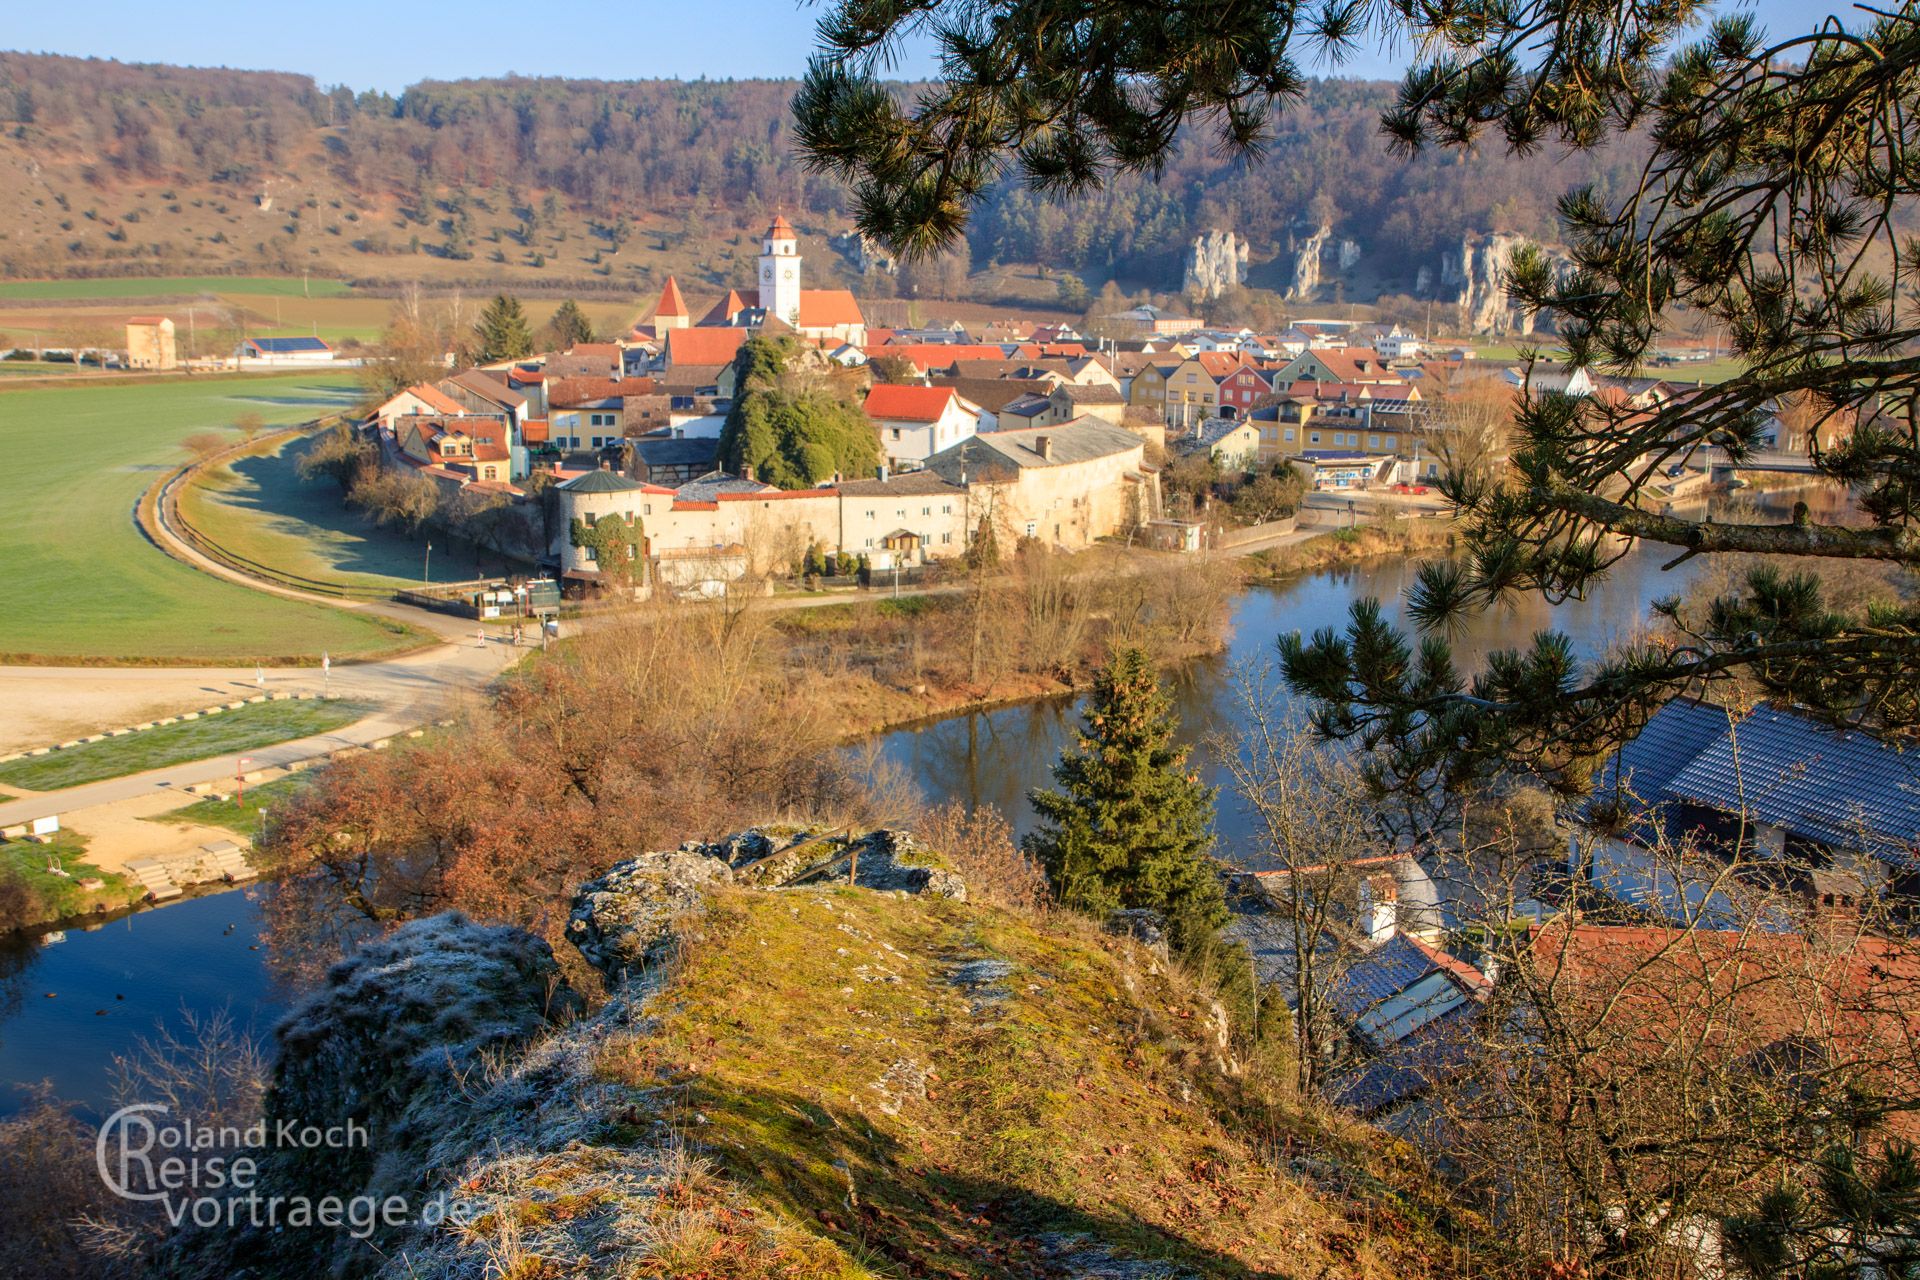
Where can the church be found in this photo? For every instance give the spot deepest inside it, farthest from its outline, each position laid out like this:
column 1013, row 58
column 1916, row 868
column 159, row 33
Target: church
column 779, row 305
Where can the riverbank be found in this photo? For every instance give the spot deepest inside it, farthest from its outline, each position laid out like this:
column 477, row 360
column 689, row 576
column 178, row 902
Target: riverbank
column 1337, row 548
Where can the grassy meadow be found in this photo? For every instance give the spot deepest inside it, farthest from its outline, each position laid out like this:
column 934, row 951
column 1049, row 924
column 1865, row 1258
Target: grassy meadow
column 257, row 506
column 85, row 586
column 258, row 724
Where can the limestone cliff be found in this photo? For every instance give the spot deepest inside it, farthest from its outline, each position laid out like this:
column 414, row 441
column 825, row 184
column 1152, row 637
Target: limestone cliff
column 812, row 1057
column 1216, row 263
column 1472, row 277
column 1316, row 259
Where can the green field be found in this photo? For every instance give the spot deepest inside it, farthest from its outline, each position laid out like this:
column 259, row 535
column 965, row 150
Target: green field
column 258, row 724
column 241, row 816
column 173, row 286
column 257, row 507
column 84, row 584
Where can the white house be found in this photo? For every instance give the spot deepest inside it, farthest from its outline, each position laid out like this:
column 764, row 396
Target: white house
column 917, row 422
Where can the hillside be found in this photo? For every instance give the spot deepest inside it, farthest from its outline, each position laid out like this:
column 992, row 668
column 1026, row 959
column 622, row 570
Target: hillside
column 790, row 1075
column 585, row 186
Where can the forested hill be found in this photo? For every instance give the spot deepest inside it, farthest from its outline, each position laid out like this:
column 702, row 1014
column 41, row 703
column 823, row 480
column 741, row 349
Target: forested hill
column 110, row 168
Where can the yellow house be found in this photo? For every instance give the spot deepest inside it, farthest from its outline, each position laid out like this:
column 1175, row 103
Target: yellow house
column 1346, row 423
column 150, row 343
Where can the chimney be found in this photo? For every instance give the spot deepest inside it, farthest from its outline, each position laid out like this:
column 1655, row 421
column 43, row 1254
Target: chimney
column 1043, row 445
column 746, row 471
column 1379, row 907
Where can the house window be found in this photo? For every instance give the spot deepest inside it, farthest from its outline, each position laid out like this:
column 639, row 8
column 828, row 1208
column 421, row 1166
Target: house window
column 1392, row 443
column 896, row 433
column 1287, row 435
column 1033, row 529
column 926, row 511
column 1313, row 438
column 596, row 442
column 600, row 420
column 946, row 537
column 869, row 516
column 1190, row 378
column 947, row 509
column 591, row 554
column 1373, row 441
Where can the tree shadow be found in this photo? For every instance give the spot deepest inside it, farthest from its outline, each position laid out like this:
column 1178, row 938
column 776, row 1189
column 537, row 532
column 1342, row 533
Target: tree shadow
column 833, row 1169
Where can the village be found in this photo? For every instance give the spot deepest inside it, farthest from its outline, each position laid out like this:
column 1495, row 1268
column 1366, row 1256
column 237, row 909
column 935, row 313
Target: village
column 1024, row 432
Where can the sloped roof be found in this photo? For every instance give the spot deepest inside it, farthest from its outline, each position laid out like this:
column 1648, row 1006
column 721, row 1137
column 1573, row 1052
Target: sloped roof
column 1082, row 440
column 672, row 302
column 602, row 481
column 488, row 387
column 1098, row 393
column 677, row 451
column 1844, row 789
column 704, row 346
column 781, row 229
column 435, row 399
column 902, row 402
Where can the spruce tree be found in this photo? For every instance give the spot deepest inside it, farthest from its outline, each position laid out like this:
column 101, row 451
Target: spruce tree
column 570, row 326
column 1131, row 825
column 503, row 332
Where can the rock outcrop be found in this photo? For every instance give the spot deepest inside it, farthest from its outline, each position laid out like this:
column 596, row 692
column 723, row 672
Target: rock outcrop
column 812, row 1058
column 1318, row 257
column 1473, row 278
column 1216, row 263
column 623, row 922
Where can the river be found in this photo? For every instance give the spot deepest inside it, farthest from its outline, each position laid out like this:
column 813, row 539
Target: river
column 67, row 1007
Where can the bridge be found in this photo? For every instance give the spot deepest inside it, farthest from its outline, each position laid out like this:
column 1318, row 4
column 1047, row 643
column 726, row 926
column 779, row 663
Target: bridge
column 1722, row 468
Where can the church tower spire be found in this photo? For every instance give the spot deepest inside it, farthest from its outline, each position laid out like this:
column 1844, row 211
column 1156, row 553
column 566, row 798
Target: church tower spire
column 780, row 272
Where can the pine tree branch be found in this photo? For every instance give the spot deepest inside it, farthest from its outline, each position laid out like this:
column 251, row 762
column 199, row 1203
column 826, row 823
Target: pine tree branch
column 1896, row 543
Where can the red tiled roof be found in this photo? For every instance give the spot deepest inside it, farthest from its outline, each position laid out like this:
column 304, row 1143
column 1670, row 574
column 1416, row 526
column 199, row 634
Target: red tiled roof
column 897, row 402
column 723, row 311
column 781, row 229
column 823, row 308
column 1219, row 364
column 671, row 302
column 534, row 431
column 771, row 495
column 436, row 399
column 704, row 345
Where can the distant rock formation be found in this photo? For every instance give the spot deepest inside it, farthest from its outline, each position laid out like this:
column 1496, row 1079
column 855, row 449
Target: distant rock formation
column 1216, row 262
column 1317, row 257
column 1473, row 278
column 865, row 254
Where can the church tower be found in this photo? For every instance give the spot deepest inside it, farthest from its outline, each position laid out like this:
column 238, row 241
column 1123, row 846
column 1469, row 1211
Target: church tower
column 780, row 272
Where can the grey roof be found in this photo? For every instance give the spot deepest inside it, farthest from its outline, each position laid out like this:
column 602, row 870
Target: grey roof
column 1782, row 768
column 603, row 481
column 1786, row 770
column 1099, row 393
column 677, row 451
column 1026, row 406
column 991, row 394
column 1082, row 440
column 1406, row 1070
column 1639, row 772
column 714, row 483
column 910, row 484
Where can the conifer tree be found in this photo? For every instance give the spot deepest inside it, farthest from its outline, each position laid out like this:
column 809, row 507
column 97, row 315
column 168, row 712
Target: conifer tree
column 502, row 332
column 570, row 326
column 1131, row 826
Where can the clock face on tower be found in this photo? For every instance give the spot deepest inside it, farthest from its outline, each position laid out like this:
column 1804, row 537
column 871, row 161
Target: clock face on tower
column 787, row 274
column 767, row 275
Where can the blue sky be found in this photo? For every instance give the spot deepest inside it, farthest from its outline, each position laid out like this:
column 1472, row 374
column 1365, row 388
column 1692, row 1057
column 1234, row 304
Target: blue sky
column 389, row 44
